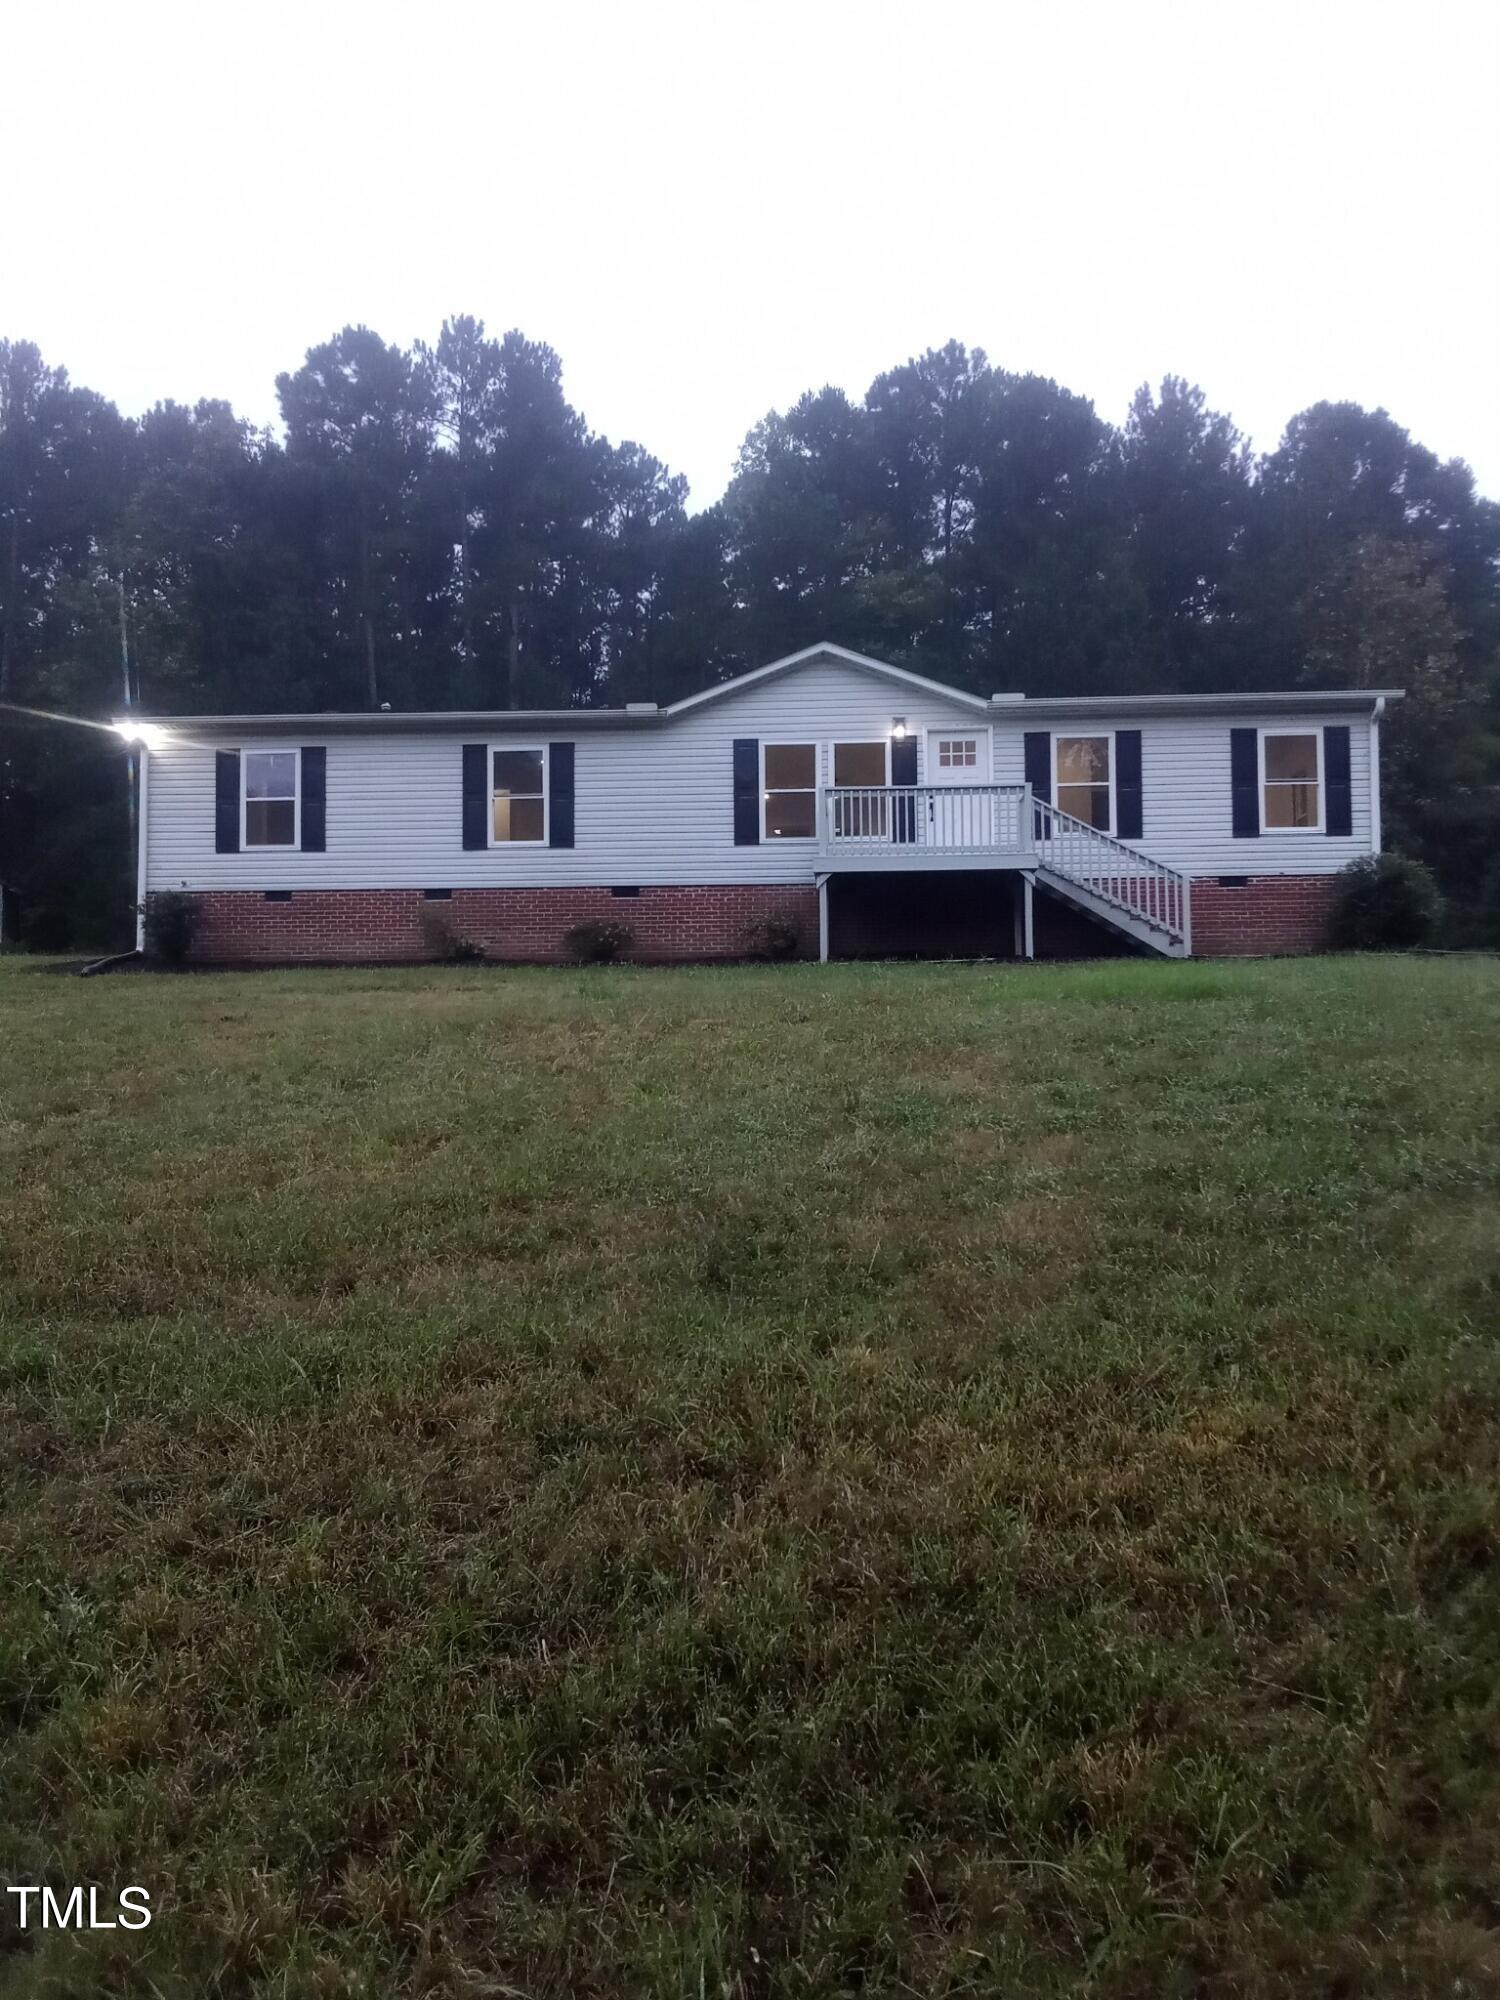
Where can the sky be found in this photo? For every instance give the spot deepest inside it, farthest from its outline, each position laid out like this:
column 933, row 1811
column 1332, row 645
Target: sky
column 709, row 208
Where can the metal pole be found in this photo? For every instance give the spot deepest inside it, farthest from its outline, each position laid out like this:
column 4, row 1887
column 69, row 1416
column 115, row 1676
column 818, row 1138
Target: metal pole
column 140, row 780
column 136, row 777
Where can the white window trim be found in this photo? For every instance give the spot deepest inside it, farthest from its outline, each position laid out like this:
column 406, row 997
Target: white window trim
column 820, row 762
column 984, row 772
column 489, row 794
column 1076, row 736
column 1280, row 832
column 294, row 751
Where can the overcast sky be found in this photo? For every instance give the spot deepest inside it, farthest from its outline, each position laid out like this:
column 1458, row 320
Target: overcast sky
column 708, row 208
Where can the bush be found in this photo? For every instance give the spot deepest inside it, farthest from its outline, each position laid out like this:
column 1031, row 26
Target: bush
column 1384, row 902
column 172, row 920
column 599, row 943
column 446, row 942
column 773, row 938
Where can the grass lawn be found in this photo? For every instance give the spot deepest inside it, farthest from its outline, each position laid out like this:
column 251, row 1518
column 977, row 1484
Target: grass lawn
column 738, row 1483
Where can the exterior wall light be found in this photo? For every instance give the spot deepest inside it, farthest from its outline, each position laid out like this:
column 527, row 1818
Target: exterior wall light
column 898, row 728
column 150, row 735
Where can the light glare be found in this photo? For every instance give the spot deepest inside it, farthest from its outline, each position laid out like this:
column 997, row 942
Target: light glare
column 150, row 735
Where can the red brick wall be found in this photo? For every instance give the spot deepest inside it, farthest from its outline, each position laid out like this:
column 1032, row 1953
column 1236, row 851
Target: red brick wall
column 340, row 926
column 1271, row 913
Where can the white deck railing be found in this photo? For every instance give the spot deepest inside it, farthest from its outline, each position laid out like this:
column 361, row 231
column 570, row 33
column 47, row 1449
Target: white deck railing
column 943, row 819
column 901, row 825
column 1110, row 870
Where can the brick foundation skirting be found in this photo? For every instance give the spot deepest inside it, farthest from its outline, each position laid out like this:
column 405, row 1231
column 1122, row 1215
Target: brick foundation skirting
column 1269, row 914
column 524, row 926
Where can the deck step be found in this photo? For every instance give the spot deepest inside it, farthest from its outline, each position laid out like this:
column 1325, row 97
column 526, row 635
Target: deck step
column 1161, row 938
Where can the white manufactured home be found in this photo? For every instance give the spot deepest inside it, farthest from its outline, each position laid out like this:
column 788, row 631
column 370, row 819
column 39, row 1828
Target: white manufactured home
column 827, row 804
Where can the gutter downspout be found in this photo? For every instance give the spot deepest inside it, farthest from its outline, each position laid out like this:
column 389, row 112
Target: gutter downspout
column 1375, row 715
column 142, row 784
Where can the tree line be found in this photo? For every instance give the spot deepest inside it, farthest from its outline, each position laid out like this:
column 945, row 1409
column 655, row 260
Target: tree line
column 437, row 527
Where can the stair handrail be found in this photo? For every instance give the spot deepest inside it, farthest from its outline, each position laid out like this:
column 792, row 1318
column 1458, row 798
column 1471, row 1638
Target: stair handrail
column 1167, row 903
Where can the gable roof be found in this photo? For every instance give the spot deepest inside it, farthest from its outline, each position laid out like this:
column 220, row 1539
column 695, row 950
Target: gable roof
column 825, row 650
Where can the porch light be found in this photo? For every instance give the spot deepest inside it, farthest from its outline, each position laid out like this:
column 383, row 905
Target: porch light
column 150, row 735
column 898, row 728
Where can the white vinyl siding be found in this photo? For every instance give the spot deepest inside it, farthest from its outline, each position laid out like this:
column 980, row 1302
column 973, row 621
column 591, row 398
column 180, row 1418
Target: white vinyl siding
column 655, row 804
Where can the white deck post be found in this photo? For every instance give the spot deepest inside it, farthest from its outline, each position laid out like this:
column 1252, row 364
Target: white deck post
column 822, row 920
column 1030, row 940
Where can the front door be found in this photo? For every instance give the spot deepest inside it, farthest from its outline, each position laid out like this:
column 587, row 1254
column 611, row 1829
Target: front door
column 960, row 807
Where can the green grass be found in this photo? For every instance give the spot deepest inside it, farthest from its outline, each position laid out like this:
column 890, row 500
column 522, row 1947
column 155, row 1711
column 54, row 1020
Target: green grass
column 756, row 1482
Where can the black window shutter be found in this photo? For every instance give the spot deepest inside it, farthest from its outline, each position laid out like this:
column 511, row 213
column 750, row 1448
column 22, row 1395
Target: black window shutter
column 1128, row 820
column 559, row 795
column 314, row 798
column 1244, row 783
column 1037, row 744
column 226, row 801
column 1338, row 810
column 747, row 791
column 476, row 795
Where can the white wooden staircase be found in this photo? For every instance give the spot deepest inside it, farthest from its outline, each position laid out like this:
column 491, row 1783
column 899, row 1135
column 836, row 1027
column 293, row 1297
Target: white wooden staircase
column 929, row 827
column 1105, row 879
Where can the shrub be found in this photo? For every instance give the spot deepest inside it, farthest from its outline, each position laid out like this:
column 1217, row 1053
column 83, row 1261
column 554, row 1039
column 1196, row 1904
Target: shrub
column 172, row 920
column 446, row 942
column 598, row 942
column 773, row 938
column 1384, row 902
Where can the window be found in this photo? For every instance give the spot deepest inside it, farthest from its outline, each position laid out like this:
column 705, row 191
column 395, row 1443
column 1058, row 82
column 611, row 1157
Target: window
column 1291, row 776
column 518, row 785
column 1082, row 778
column 859, row 763
column 270, row 818
column 958, row 753
column 863, row 764
column 789, row 790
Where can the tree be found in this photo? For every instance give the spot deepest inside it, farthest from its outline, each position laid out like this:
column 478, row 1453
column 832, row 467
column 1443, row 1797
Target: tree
column 1380, row 617
column 799, row 521
column 1187, row 491
column 359, row 420
column 441, row 527
column 468, row 379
